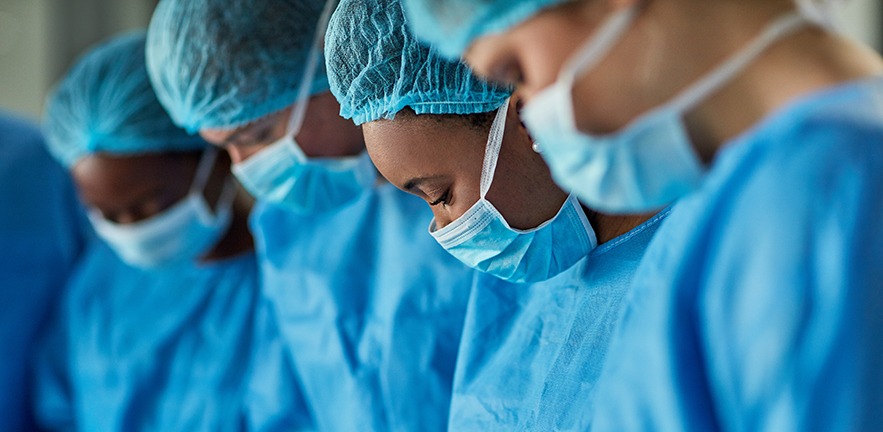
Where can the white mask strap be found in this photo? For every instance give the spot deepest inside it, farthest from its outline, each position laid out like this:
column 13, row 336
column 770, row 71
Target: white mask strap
column 492, row 150
column 777, row 30
column 300, row 108
column 599, row 44
column 204, row 169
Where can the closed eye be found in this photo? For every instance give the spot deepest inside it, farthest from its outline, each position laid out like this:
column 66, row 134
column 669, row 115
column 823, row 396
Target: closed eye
column 443, row 199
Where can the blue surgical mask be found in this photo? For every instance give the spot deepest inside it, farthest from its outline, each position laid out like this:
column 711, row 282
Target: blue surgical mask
column 180, row 234
column 283, row 174
column 651, row 162
column 482, row 239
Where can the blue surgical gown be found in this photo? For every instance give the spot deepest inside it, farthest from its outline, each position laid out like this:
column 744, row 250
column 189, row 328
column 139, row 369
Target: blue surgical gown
column 533, row 352
column 149, row 350
column 40, row 238
column 370, row 307
column 758, row 305
column 273, row 400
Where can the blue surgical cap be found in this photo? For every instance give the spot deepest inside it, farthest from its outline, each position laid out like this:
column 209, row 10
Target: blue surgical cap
column 376, row 68
column 452, row 25
column 105, row 104
column 220, row 64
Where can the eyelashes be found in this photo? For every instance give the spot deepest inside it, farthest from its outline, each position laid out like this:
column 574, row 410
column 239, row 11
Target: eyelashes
column 441, row 200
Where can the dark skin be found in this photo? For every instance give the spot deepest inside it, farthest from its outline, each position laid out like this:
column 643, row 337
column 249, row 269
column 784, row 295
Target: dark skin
column 439, row 159
column 324, row 133
column 128, row 189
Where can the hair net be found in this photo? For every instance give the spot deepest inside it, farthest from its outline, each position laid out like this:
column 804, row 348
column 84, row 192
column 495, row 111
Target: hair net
column 105, row 104
column 376, row 68
column 223, row 63
column 452, row 25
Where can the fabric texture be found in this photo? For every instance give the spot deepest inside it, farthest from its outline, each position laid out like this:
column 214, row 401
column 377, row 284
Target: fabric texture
column 452, row 25
column 42, row 230
column 135, row 350
column 274, row 400
column 105, row 104
column 757, row 306
column 376, row 68
column 369, row 307
column 532, row 353
column 220, row 64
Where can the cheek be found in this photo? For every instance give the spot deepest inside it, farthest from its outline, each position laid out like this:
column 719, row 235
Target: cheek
column 242, row 153
column 445, row 215
column 540, row 71
column 464, row 199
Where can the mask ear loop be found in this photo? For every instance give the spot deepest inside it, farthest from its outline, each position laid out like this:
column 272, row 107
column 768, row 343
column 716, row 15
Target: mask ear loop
column 777, row 30
column 591, row 53
column 492, row 149
column 596, row 48
column 295, row 122
column 204, row 170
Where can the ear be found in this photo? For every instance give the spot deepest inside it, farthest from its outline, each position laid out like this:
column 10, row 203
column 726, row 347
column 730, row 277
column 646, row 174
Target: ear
column 514, row 123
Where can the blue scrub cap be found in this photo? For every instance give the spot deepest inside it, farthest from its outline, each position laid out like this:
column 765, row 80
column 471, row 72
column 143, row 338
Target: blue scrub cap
column 452, row 25
column 220, row 64
column 376, row 68
column 105, row 104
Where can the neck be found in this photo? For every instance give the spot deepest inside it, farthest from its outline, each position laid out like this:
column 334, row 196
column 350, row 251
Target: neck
column 608, row 227
column 807, row 61
column 237, row 240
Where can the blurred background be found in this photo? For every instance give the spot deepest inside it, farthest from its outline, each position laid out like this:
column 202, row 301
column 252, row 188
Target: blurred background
column 39, row 39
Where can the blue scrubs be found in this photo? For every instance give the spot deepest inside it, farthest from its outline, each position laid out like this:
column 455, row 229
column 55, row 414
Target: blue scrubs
column 533, row 352
column 759, row 305
column 157, row 350
column 274, row 399
column 370, row 307
column 40, row 238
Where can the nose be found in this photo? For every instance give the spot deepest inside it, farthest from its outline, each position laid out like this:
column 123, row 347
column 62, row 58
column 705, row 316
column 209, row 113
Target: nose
column 240, row 154
column 442, row 219
column 236, row 155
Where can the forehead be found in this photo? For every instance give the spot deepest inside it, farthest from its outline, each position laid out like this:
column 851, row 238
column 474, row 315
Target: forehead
column 417, row 145
column 120, row 177
column 240, row 135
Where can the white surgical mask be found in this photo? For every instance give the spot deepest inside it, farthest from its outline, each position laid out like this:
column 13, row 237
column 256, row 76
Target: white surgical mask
column 651, row 162
column 482, row 239
column 180, row 234
column 282, row 173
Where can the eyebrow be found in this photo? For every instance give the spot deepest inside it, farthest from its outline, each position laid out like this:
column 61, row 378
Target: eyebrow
column 249, row 130
column 233, row 138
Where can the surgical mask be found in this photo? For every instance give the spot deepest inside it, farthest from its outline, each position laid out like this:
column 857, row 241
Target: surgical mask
column 651, row 162
column 180, row 234
column 283, row 174
column 482, row 239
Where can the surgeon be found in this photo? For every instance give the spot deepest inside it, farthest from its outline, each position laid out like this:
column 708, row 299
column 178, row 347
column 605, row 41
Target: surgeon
column 555, row 273
column 757, row 307
column 155, row 328
column 369, row 306
column 41, row 236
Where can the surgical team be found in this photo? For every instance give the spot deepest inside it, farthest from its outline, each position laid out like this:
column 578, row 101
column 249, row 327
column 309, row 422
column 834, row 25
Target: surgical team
column 450, row 215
